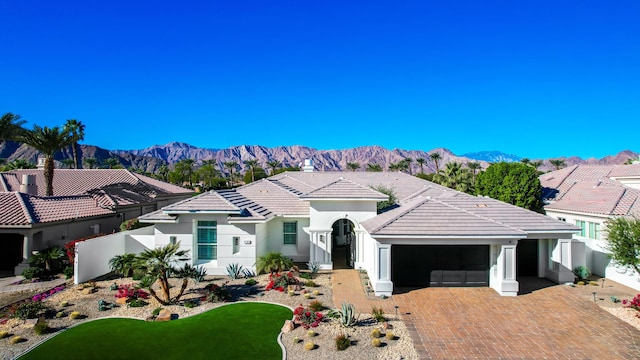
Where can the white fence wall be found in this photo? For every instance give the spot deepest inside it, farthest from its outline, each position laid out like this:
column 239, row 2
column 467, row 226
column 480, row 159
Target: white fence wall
column 93, row 255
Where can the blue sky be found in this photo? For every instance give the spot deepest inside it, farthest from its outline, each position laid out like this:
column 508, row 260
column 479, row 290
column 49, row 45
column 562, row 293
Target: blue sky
column 537, row 79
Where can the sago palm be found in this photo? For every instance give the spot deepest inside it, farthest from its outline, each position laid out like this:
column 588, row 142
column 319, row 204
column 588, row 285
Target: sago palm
column 158, row 265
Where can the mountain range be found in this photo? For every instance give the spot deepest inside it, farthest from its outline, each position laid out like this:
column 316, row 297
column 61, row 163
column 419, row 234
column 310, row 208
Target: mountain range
column 151, row 158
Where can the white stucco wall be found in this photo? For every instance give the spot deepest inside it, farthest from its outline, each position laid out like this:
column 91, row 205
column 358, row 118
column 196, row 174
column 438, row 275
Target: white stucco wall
column 275, row 238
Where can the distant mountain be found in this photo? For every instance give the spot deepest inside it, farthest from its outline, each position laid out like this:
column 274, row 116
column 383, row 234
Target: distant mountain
column 150, row 159
column 492, row 156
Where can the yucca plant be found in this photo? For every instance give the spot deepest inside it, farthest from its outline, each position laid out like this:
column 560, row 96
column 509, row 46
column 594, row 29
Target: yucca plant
column 273, row 262
column 123, row 265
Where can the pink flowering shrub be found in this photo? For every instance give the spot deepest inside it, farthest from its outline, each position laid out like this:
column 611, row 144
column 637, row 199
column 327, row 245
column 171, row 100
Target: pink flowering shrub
column 306, row 317
column 633, row 304
column 278, row 281
column 43, row 295
column 130, row 292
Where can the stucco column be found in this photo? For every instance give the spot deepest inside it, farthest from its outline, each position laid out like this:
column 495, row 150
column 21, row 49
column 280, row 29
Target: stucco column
column 507, row 270
column 563, row 255
column 27, row 245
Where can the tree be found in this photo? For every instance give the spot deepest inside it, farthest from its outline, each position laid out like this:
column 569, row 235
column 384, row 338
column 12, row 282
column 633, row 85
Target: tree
column 406, row 164
column 258, row 173
column 48, row 141
column 436, row 157
column 157, row 265
column 557, row 163
column 273, row 262
column 513, row 183
column 536, row 164
column 455, row 177
column 623, row 235
column 474, row 166
column 112, row 162
column 11, row 126
column 353, row 166
column 395, row 167
column 208, row 172
column 374, row 168
column 525, row 161
column 19, row 164
column 91, row 162
column 50, row 259
column 421, row 162
column 231, row 165
column 123, row 265
column 75, row 131
column 251, row 165
column 389, row 191
column 274, row 165
column 185, row 168
column 68, row 163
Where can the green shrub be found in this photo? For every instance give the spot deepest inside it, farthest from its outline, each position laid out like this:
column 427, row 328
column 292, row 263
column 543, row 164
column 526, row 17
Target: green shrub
column 316, row 305
column 306, row 276
column 156, row 311
column 342, row 342
column 217, row 293
column 137, row 303
column 132, row 224
column 123, row 265
column 41, row 327
column 581, row 272
column 273, row 262
column 32, row 273
column 29, row 310
column 250, row 282
column 68, row 272
column 191, row 303
column 378, row 314
column 310, row 283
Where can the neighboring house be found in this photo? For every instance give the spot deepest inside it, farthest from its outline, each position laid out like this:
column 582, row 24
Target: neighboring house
column 587, row 196
column 85, row 202
column 434, row 236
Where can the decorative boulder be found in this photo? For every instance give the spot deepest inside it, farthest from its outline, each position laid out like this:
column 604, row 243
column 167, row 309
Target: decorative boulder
column 288, row 326
column 164, row 315
column 122, row 301
column 88, row 290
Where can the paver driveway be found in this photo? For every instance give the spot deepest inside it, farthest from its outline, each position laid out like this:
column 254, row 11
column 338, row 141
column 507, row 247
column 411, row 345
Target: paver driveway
column 477, row 323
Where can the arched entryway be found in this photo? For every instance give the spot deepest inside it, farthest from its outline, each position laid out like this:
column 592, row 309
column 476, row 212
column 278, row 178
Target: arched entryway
column 343, row 247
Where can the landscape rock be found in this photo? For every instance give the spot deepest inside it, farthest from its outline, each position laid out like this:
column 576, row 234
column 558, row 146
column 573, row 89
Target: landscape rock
column 288, row 326
column 164, row 315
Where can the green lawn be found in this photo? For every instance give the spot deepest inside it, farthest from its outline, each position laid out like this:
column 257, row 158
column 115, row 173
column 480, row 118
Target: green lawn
column 237, row 331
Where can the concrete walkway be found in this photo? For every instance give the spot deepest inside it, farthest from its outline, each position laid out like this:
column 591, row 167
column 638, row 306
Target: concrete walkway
column 477, row 323
column 6, row 284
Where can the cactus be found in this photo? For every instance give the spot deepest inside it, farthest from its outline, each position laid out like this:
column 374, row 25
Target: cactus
column 348, row 316
column 309, row 345
column 375, row 333
column 390, row 336
column 74, row 315
column 376, row 342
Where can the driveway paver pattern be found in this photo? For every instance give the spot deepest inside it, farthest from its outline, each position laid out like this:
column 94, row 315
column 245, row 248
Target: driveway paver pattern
column 477, row 323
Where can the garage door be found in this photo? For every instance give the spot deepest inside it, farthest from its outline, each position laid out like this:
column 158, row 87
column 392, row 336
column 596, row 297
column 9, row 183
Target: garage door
column 440, row 266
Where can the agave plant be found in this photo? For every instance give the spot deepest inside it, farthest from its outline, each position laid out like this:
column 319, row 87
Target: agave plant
column 273, row 262
column 234, row 271
column 346, row 315
column 313, row 267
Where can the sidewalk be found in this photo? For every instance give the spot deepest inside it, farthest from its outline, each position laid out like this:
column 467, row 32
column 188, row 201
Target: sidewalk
column 6, row 287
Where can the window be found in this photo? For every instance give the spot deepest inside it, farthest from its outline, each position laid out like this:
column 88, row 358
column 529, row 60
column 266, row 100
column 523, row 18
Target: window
column 583, row 226
column 594, row 230
column 207, row 240
column 236, row 244
column 290, row 232
column 173, row 240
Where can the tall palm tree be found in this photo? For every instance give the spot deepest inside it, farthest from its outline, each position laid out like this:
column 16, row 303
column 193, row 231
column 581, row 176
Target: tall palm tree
column 208, row 172
column 48, row 141
column 353, row 166
column 231, row 165
column 557, row 163
column 407, row 164
column 536, row 164
column 474, row 166
column 252, row 164
column 11, row 126
column 68, row 163
column 19, row 164
column 374, row 167
column 112, row 162
column 188, row 167
column 273, row 164
column 91, row 162
column 163, row 172
column 75, row 130
column 421, row 162
column 395, row 166
column 436, row 157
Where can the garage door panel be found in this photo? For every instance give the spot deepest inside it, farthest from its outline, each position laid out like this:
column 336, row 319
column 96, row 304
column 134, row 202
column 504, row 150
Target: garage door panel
column 440, row 266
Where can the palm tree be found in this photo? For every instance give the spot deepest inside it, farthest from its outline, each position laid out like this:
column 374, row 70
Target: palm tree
column 436, row 157
column 374, row 167
column 251, row 164
column 123, row 265
column 557, row 163
column 407, row 164
column 536, row 164
column 208, row 172
column 474, row 166
column 421, row 162
column 11, row 126
column 75, row 130
column 186, row 165
column 91, row 162
column 273, row 164
column 157, row 264
column 51, row 258
column 273, row 262
column 395, row 167
column 163, row 172
column 48, row 141
column 112, row 162
column 353, row 166
column 19, row 164
column 230, row 165
column 68, row 163
column 455, row 177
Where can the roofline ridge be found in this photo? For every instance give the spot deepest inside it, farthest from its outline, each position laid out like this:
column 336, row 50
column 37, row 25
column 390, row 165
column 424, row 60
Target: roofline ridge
column 403, row 213
column 484, row 217
column 5, row 187
column 624, row 192
column 298, row 180
column 25, row 208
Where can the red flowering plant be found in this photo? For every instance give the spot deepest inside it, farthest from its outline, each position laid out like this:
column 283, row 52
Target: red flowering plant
column 130, row 292
column 278, row 281
column 633, row 304
column 306, row 317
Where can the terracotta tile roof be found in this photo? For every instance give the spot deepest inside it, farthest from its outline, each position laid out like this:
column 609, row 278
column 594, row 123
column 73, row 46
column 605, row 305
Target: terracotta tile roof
column 13, row 210
column 344, row 189
column 590, row 189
